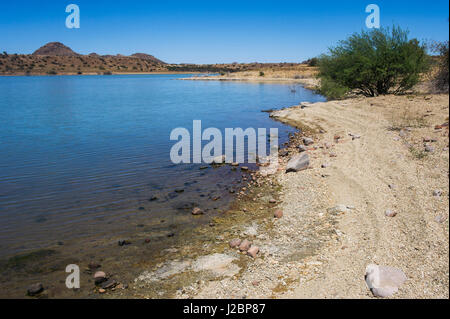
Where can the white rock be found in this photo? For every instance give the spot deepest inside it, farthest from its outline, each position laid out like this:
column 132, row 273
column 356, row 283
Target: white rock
column 384, row 281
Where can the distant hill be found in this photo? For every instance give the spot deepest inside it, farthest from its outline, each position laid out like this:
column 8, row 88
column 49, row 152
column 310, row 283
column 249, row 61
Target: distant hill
column 148, row 57
column 56, row 58
column 55, row 49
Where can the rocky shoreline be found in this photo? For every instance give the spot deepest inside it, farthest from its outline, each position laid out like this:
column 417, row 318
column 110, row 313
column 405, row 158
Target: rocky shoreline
column 356, row 220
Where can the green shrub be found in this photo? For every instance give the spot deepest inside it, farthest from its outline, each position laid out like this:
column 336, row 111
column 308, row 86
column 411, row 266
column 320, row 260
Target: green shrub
column 371, row 63
column 261, row 73
column 332, row 90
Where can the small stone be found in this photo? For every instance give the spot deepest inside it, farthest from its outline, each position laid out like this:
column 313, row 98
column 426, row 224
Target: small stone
column 429, row 149
column 153, row 198
column 197, row 211
column 101, row 290
column 302, row 148
column 337, row 210
column 235, row 243
column 244, row 168
column 437, row 193
column 272, row 201
column 278, row 213
column 392, row 186
column 253, row 251
column 308, row 141
column 99, row 274
column 325, row 165
column 333, row 154
column 109, row 284
column 390, row 213
column 35, row 289
column 234, row 164
column 439, row 219
column 147, row 240
column 245, row 245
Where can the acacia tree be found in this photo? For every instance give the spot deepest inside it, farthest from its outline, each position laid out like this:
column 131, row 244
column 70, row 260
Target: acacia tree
column 371, row 63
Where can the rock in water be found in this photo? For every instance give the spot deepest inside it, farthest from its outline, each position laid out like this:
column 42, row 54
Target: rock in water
column 35, row 289
column 197, row 211
column 384, row 281
column 298, row 163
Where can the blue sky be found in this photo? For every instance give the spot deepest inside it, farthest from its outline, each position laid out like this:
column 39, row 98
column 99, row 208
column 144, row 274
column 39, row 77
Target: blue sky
column 210, row 31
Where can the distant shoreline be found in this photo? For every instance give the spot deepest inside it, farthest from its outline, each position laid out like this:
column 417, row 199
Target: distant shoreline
column 113, row 73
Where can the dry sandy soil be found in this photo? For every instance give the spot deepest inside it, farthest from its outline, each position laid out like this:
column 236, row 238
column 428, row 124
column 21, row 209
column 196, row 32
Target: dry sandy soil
column 300, row 73
column 315, row 252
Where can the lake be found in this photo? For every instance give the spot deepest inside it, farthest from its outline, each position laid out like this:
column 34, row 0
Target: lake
column 86, row 156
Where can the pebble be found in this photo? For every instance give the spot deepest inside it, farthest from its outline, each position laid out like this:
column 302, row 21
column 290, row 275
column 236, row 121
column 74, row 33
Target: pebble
column 308, row 141
column 109, row 284
column 439, row 219
column 244, row 168
column 302, row 148
column 325, row 165
column 437, row 192
column 272, row 201
column 429, row 149
column 278, row 213
column 101, row 290
column 99, row 274
column 235, row 243
column 197, row 211
column 390, row 213
column 253, row 251
column 35, row 289
column 245, row 245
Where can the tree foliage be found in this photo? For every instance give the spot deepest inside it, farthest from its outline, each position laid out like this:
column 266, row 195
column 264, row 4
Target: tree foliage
column 375, row 62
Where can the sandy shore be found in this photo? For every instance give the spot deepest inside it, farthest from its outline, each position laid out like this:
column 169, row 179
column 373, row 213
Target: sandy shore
column 369, row 156
column 304, row 76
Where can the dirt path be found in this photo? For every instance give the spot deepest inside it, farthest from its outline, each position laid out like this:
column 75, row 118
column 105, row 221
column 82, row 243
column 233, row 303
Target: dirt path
column 360, row 176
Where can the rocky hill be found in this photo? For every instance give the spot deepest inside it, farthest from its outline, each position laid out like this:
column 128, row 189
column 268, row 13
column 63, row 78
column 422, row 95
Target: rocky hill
column 55, row 49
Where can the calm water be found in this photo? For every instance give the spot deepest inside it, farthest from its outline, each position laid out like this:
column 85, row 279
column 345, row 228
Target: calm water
column 82, row 155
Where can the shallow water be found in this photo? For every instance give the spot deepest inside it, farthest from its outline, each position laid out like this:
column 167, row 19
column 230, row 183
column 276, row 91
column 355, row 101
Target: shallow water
column 82, row 155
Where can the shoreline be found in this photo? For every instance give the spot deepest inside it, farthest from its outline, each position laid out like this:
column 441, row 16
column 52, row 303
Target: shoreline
column 365, row 160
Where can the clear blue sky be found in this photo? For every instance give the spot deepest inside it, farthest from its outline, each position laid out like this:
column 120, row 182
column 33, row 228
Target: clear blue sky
column 210, row 31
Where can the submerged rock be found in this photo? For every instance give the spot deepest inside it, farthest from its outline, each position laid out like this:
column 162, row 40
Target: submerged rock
column 197, row 211
column 35, row 289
